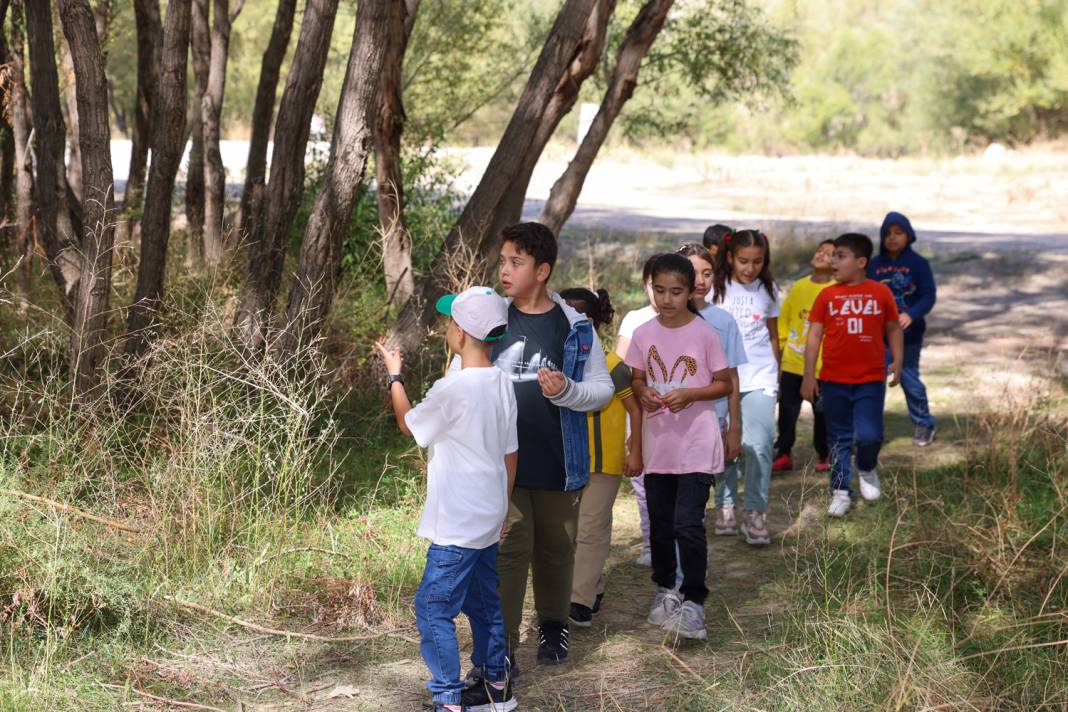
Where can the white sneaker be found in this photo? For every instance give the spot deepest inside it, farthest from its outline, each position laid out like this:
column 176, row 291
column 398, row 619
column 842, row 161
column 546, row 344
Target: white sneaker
column 869, row 485
column 666, row 603
column 645, row 558
column 840, row 503
column 725, row 522
column 687, row 622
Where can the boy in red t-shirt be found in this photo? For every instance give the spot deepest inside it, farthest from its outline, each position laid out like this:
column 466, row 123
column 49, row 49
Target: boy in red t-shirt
column 851, row 319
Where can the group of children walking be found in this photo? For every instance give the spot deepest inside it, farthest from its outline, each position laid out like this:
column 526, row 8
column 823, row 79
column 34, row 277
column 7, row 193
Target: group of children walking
column 535, row 424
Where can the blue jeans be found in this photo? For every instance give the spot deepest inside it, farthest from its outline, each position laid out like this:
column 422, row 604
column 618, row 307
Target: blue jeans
column 854, row 413
column 459, row 580
column 758, row 437
column 915, row 391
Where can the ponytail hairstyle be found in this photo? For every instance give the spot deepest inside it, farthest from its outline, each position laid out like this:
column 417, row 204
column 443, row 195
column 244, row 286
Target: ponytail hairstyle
column 714, row 235
column 680, row 266
column 721, row 275
column 597, row 307
column 695, row 249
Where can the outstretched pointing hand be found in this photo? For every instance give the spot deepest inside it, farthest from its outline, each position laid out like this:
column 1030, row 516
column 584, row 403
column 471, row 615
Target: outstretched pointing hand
column 392, row 358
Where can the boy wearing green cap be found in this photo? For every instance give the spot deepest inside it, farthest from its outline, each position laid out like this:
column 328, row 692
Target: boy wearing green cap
column 468, row 420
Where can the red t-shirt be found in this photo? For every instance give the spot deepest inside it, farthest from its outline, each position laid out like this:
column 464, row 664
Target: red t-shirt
column 854, row 322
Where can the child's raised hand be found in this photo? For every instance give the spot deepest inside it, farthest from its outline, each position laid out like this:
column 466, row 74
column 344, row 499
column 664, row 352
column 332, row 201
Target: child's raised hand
column 552, row 382
column 392, row 358
column 678, row 399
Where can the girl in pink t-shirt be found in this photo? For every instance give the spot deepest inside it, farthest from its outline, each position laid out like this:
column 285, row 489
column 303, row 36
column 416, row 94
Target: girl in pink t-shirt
column 679, row 369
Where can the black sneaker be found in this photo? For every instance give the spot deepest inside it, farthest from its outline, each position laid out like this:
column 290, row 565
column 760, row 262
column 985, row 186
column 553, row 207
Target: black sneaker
column 441, row 707
column 553, row 639
column 580, row 615
column 487, row 698
column 476, row 675
column 597, row 603
column 923, row 436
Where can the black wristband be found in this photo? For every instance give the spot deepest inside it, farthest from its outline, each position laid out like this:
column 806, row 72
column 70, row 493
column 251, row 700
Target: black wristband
column 393, row 379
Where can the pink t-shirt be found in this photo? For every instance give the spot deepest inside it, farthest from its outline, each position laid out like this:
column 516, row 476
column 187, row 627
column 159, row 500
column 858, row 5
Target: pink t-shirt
column 684, row 357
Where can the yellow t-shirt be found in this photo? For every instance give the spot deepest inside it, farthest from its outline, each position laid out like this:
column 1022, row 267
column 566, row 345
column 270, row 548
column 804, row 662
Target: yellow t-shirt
column 793, row 324
column 608, row 426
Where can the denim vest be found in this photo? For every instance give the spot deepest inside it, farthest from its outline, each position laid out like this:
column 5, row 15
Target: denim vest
column 575, row 425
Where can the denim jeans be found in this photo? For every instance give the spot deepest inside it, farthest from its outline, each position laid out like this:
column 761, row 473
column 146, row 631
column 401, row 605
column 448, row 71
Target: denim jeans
column 854, row 414
column 915, row 391
column 676, row 520
column 459, row 580
column 758, row 436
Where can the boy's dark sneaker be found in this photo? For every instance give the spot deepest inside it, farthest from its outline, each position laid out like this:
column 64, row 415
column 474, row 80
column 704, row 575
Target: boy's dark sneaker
column 485, row 697
column 923, row 436
column 783, row 463
column 475, row 676
column 581, row 615
column 442, row 707
column 597, row 603
column 553, row 641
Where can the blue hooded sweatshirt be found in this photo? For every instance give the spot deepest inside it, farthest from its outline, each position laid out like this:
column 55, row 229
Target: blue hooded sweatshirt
column 908, row 276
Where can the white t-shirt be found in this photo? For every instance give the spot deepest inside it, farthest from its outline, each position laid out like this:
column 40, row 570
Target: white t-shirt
column 751, row 308
column 468, row 420
column 633, row 319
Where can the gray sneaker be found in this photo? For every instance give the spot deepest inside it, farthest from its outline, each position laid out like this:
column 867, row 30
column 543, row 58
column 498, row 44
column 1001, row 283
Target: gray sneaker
column 665, row 605
column 687, row 622
column 755, row 529
column 923, row 436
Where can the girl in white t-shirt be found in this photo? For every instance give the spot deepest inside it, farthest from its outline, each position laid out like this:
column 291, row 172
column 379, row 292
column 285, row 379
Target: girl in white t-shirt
column 631, row 321
column 742, row 285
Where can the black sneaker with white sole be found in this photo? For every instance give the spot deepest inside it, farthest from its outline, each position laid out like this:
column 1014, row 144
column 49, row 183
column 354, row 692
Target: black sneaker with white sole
column 476, row 675
column 923, row 436
column 580, row 615
column 486, row 697
column 553, row 642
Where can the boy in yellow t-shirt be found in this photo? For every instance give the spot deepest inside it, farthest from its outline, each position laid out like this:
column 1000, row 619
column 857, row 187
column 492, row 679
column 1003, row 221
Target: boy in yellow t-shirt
column 793, row 331
column 609, row 461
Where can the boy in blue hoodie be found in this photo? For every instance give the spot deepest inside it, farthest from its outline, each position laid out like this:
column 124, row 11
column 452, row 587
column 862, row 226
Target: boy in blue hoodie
column 909, row 277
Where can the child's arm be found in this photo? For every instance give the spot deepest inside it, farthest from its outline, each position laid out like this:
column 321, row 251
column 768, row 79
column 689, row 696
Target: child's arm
column 810, row 390
column 773, row 332
column 633, row 464
column 511, row 462
column 680, row 398
column 593, row 392
column 394, row 362
column 733, row 439
column 895, row 336
column 925, row 296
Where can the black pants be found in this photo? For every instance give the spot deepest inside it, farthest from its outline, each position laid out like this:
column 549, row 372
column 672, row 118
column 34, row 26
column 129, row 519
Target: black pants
column 790, row 401
column 677, row 515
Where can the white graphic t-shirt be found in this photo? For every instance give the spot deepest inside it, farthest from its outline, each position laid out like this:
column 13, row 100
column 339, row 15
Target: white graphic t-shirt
column 751, row 308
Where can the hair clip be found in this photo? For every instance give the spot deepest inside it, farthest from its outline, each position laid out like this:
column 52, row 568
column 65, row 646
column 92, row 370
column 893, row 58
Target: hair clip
column 728, row 237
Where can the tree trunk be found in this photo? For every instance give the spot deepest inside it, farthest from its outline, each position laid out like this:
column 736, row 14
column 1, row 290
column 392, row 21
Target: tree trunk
column 168, row 141
column 7, row 142
column 200, row 52
column 479, row 222
column 70, row 115
column 88, row 327
column 267, row 241
column 640, row 36
column 21, row 127
column 210, row 110
column 397, row 241
column 263, row 110
column 584, row 63
column 320, row 252
column 149, row 40
column 55, row 223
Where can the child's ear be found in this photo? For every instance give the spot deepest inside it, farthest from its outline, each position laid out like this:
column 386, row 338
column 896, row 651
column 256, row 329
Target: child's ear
column 542, row 272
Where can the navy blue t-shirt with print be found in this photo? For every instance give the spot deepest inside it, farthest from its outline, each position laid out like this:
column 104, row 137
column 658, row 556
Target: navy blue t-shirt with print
column 535, row 341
